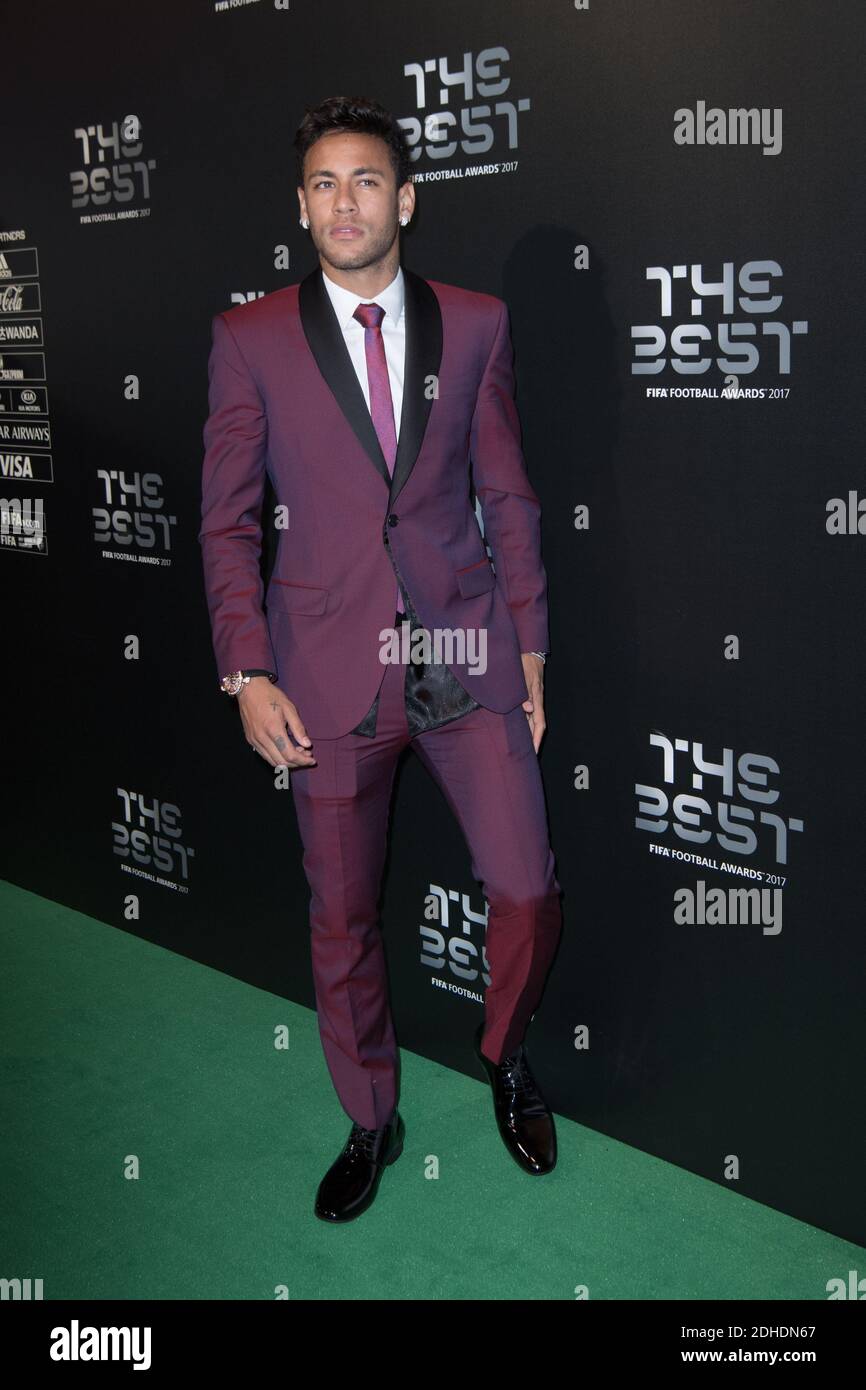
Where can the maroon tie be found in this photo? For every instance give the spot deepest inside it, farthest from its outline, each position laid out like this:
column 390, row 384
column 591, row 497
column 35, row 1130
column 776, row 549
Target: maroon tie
column 381, row 404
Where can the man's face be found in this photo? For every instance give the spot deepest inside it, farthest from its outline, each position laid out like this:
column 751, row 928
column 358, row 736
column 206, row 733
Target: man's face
column 351, row 199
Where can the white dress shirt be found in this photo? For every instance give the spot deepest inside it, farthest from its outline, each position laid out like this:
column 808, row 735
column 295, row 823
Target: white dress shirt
column 393, row 329
column 345, row 303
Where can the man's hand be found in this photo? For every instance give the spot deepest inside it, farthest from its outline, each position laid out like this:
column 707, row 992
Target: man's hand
column 533, row 670
column 265, row 712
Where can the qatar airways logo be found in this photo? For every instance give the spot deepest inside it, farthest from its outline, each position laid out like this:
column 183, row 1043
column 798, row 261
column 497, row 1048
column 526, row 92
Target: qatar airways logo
column 728, row 318
column 463, row 111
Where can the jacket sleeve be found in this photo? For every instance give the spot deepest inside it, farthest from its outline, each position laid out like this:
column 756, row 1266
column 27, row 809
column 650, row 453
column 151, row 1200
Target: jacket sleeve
column 510, row 509
column 233, row 481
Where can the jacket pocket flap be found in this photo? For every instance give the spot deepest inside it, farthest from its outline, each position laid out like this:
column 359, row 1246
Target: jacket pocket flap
column 296, row 598
column 476, row 579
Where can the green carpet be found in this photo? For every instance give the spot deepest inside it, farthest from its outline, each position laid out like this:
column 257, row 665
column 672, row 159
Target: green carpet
column 114, row 1047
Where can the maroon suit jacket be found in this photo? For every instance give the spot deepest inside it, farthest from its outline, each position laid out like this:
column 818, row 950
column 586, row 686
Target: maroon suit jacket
column 285, row 401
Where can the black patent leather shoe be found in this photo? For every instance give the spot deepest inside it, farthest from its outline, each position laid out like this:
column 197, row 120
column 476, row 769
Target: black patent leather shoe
column 524, row 1121
column 351, row 1183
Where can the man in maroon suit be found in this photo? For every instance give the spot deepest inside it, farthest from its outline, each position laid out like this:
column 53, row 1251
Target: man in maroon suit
column 365, row 392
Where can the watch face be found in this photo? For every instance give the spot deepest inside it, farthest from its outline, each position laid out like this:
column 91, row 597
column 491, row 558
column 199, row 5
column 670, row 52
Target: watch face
column 231, row 684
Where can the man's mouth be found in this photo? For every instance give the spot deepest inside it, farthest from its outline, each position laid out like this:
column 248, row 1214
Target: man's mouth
column 346, row 232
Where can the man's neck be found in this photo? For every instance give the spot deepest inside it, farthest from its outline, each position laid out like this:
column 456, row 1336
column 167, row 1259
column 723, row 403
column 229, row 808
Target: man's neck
column 366, row 283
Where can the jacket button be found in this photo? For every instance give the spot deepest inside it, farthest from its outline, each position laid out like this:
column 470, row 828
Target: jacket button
column 392, row 519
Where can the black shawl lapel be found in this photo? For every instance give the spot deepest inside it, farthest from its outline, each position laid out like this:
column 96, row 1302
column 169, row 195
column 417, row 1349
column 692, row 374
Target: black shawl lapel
column 423, row 359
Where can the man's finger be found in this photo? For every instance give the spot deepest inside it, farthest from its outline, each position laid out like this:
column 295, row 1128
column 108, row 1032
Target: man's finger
column 287, row 753
column 293, row 719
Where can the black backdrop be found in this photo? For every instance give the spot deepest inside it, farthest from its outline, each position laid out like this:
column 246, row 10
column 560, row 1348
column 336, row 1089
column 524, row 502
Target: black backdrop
column 705, row 606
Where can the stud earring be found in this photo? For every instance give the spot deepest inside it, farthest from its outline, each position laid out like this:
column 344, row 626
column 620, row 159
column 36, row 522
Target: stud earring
column 304, row 223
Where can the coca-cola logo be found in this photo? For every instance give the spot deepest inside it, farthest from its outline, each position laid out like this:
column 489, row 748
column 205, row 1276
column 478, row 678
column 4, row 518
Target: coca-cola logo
column 11, row 299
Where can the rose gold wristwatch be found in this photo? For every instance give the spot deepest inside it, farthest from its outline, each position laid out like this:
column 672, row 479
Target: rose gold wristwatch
column 235, row 681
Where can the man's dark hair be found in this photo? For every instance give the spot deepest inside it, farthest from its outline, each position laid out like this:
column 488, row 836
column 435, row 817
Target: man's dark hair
column 354, row 114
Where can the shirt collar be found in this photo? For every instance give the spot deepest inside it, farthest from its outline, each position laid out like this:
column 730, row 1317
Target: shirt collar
column 345, row 302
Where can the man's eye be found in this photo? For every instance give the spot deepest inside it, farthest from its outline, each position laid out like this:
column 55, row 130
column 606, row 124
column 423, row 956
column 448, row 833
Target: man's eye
column 322, row 182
